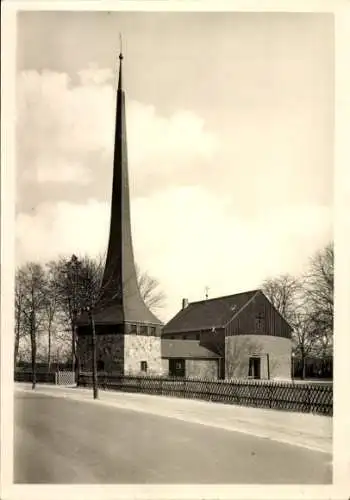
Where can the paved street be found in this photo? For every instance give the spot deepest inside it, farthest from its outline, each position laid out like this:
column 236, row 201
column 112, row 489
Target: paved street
column 59, row 440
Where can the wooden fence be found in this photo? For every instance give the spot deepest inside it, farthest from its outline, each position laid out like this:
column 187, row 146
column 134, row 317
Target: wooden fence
column 58, row 378
column 41, row 378
column 288, row 396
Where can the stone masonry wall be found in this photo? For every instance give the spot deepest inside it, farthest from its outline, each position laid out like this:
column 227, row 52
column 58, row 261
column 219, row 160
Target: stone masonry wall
column 202, row 368
column 110, row 350
column 139, row 348
column 239, row 348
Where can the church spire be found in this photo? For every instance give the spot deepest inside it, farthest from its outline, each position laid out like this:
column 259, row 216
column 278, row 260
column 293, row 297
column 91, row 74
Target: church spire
column 119, row 291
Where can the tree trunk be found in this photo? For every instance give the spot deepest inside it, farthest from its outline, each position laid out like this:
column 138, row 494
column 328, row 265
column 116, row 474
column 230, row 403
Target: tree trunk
column 16, row 348
column 77, row 359
column 303, row 366
column 94, row 357
column 49, row 349
column 73, row 342
column 33, row 345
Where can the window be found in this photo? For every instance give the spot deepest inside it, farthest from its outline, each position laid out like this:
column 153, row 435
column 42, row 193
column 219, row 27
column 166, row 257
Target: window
column 133, row 328
column 197, row 336
column 143, row 330
column 144, row 366
column 176, row 367
column 254, row 367
column 152, row 330
column 184, row 337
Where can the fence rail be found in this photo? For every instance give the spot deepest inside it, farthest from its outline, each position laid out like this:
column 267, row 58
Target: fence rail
column 41, row 378
column 58, row 378
column 288, row 396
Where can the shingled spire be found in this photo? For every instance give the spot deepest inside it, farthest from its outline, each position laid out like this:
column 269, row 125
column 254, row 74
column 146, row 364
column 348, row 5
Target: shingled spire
column 120, row 299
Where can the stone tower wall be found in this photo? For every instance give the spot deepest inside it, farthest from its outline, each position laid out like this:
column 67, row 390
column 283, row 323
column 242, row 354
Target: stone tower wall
column 110, row 349
column 139, row 348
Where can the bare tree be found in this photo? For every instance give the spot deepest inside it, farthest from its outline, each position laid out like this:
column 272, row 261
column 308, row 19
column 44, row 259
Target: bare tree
column 31, row 280
column 51, row 307
column 72, row 293
column 284, row 292
column 150, row 290
column 19, row 316
column 304, row 336
column 319, row 290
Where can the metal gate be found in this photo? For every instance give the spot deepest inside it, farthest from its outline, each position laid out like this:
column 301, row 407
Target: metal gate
column 65, row 378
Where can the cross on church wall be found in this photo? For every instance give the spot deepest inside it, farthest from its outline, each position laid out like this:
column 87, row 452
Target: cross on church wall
column 259, row 321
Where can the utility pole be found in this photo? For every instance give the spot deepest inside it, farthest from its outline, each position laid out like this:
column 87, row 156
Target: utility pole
column 94, row 353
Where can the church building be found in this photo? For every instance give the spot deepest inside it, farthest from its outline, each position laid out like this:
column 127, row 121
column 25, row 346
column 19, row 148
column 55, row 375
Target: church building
column 237, row 336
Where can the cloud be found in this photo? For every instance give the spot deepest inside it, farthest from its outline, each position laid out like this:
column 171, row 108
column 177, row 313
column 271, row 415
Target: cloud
column 67, row 128
column 186, row 238
column 52, row 171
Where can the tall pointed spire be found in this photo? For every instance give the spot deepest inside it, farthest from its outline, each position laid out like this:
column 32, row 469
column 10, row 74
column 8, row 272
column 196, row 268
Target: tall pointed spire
column 120, row 298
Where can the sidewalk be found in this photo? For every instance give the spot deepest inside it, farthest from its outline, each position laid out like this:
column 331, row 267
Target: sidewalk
column 298, row 429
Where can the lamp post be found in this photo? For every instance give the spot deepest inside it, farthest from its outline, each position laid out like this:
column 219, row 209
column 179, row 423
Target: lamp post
column 94, row 353
column 72, row 272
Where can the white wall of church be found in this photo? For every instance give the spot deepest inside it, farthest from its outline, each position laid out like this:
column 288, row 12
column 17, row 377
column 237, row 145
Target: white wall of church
column 239, row 348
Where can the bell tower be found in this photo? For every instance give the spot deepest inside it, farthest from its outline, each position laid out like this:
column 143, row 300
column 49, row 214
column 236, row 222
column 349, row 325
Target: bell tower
column 128, row 333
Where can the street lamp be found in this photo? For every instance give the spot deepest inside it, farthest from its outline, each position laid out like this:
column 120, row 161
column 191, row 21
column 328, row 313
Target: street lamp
column 94, row 352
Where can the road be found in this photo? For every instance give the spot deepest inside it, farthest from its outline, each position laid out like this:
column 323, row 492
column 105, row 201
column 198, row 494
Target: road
column 63, row 441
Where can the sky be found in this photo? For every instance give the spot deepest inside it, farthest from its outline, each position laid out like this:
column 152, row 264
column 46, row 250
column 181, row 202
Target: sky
column 230, row 137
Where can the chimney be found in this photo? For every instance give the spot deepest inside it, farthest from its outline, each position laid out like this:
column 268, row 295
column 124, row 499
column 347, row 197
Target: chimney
column 184, row 303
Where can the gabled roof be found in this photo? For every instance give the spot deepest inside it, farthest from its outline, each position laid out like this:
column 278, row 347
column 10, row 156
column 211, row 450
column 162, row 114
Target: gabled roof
column 180, row 348
column 210, row 313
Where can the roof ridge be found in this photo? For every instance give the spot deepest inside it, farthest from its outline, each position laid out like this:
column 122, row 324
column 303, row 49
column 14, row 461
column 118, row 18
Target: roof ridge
column 225, row 296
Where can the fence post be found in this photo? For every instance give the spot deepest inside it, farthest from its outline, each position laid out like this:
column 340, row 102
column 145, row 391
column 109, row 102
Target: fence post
column 308, row 398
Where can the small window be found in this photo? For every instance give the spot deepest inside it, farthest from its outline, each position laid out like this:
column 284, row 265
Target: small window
column 133, row 328
column 184, row 337
column 152, row 330
column 144, row 366
column 143, row 330
column 197, row 336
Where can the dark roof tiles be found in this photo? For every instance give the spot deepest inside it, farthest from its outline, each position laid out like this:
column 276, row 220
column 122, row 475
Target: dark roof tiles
column 186, row 349
column 209, row 313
